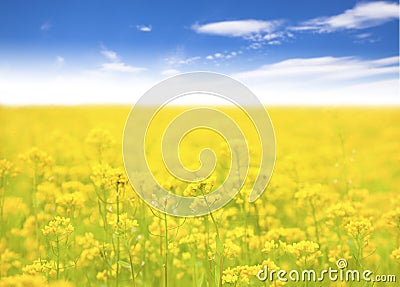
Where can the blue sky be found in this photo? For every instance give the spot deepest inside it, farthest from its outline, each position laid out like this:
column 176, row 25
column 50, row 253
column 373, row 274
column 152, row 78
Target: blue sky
column 287, row 52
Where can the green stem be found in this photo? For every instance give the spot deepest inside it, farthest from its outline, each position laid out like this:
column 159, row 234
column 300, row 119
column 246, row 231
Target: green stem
column 145, row 232
column 99, row 149
column 257, row 219
column 221, row 258
column 246, row 219
column 193, row 259
column 345, row 167
column 2, row 199
column 315, row 221
column 35, row 205
column 166, row 251
column 360, row 244
column 221, row 269
column 210, row 213
column 118, row 251
column 132, row 269
column 207, row 247
column 58, row 258
column 105, row 214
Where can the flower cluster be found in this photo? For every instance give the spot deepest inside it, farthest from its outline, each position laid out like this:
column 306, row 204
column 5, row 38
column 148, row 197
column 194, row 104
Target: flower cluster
column 59, row 226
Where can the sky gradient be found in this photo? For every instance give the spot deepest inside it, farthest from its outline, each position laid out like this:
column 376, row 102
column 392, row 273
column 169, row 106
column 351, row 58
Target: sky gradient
column 287, row 52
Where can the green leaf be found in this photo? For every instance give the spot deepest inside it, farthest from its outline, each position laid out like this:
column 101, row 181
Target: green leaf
column 124, row 264
column 201, row 281
column 216, row 274
column 219, row 246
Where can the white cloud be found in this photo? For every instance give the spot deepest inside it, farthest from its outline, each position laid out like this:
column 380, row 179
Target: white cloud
column 46, row 26
column 272, row 36
column 345, row 80
column 221, row 56
column 365, row 38
column 173, row 61
column 60, row 60
column 261, row 32
column 144, row 28
column 363, row 15
column 170, row 72
column 120, row 67
column 71, row 89
column 255, row 46
column 324, row 68
column 257, row 32
column 115, row 64
column 363, row 35
column 237, row 28
column 311, row 81
column 274, row 42
column 109, row 54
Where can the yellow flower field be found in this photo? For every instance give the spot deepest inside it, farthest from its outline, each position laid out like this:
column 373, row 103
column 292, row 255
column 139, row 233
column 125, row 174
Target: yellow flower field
column 69, row 217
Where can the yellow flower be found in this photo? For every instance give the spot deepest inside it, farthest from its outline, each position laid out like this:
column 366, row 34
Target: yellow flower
column 105, row 177
column 393, row 218
column 61, row 283
column 230, row 276
column 285, row 234
column 231, row 249
column 395, row 255
column 200, row 188
column 39, row 266
column 14, row 206
column 58, row 226
column 310, row 193
column 38, row 160
column 7, row 169
column 186, row 255
column 23, row 280
column 358, row 194
column 336, row 252
column 269, row 246
column 340, row 213
column 270, row 264
column 101, row 141
column 122, row 223
column 102, row 276
column 359, row 228
column 306, row 252
column 71, row 201
column 8, row 258
column 241, row 273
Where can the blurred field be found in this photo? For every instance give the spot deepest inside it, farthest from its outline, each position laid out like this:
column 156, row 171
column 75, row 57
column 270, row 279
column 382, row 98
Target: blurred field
column 70, row 218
